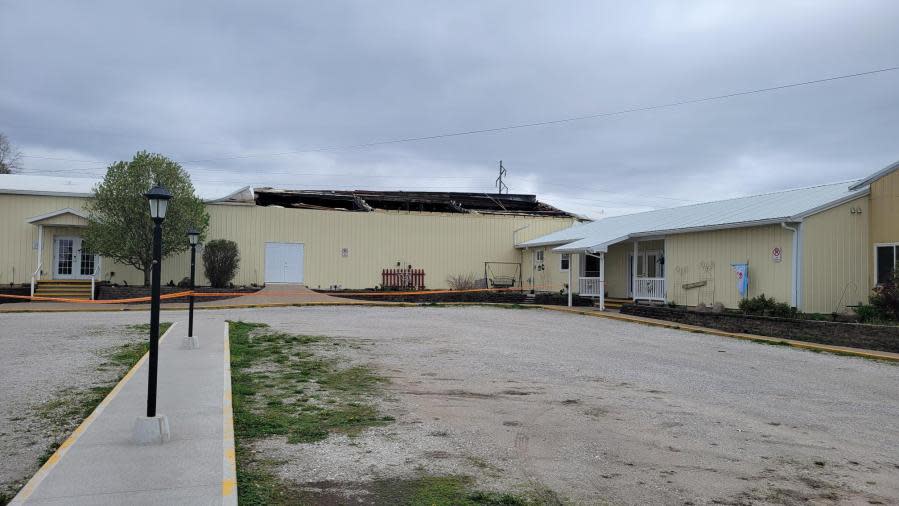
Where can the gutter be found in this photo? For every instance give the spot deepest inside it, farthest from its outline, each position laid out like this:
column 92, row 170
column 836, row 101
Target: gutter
column 796, row 289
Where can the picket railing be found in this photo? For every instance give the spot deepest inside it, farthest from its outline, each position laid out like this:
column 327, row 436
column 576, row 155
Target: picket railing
column 405, row 279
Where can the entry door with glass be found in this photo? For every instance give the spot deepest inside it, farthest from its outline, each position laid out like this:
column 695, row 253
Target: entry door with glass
column 71, row 261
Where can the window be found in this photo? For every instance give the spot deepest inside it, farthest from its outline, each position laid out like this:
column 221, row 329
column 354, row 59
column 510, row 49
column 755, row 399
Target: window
column 564, row 261
column 538, row 256
column 886, row 256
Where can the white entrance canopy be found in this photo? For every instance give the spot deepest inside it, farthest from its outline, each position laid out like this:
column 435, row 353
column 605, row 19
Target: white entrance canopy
column 788, row 206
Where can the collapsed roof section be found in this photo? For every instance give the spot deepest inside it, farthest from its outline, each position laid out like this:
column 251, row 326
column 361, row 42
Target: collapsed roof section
column 435, row 202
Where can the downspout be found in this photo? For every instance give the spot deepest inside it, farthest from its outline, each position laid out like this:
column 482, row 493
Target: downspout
column 796, row 289
column 520, row 255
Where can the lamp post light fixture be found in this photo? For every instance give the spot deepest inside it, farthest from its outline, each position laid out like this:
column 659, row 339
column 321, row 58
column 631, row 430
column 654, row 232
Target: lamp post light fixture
column 191, row 342
column 154, row 428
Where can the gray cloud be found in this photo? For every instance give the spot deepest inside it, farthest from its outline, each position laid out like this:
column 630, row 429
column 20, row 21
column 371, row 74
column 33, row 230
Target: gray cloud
column 205, row 80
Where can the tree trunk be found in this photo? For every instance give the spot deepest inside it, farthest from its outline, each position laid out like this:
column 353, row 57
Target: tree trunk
column 147, row 276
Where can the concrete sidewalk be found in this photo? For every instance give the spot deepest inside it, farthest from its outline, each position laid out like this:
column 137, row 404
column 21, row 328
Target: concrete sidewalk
column 99, row 463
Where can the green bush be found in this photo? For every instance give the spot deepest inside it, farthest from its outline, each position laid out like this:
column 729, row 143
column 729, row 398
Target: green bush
column 868, row 313
column 767, row 306
column 221, row 260
column 886, row 298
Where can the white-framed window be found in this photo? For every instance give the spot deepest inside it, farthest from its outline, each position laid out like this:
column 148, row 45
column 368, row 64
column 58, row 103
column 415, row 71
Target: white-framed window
column 564, row 261
column 538, row 256
column 886, row 260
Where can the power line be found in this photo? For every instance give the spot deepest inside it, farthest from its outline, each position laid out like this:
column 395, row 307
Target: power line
column 535, row 124
column 556, row 121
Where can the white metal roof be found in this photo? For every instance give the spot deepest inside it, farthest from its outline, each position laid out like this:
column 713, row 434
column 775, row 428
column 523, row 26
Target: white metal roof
column 877, row 175
column 783, row 206
column 28, row 184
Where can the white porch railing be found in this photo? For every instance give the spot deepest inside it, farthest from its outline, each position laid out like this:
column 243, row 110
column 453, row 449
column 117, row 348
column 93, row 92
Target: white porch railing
column 34, row 276
column 650, row 289
column 589, row 287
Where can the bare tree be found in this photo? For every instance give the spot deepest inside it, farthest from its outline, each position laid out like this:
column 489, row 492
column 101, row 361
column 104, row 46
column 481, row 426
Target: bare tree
column 10, row 157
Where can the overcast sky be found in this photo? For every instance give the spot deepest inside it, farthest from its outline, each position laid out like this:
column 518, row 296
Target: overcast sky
column 232, row 88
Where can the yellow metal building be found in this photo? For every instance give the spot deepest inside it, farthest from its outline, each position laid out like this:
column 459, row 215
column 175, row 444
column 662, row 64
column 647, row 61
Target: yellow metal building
column 820, row 249
column 327, row 246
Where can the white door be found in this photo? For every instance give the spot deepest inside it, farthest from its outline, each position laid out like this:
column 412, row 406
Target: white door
column 283, row 262
column 71, row 261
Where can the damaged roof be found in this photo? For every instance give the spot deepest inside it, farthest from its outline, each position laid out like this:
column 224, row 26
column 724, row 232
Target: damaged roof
column 439, row 202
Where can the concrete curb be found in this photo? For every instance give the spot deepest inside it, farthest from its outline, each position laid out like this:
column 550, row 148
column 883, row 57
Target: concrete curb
column 60, row 452
column 838, row 350
column 229, row 457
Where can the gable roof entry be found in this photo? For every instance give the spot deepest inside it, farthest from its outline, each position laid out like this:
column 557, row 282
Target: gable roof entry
column 877, row 175
column 769, row 208
column 75, row 218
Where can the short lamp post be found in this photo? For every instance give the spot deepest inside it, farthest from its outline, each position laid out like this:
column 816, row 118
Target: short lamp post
column 154, row 428
column 192, row 342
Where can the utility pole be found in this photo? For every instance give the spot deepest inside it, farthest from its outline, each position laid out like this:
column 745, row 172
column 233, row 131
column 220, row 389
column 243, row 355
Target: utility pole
column 500, row 185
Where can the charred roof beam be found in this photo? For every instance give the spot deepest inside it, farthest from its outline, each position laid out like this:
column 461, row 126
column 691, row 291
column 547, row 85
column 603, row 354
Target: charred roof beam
column 361, row 204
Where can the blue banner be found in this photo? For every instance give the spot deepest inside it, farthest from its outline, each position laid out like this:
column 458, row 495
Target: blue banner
column 742, row 271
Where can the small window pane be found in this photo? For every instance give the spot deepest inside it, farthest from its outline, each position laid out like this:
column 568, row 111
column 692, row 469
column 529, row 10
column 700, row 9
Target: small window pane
column 565, row 261
column 886, row 263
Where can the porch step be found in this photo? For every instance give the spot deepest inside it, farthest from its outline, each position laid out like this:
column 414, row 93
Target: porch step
column 615, row 303
column 66, row 289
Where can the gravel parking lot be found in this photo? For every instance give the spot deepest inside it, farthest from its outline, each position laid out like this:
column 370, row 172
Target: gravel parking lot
column 591, row 409
column 599, row 410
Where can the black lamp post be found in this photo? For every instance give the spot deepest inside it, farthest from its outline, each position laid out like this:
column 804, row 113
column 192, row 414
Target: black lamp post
column 193, row 235
column 159, row 202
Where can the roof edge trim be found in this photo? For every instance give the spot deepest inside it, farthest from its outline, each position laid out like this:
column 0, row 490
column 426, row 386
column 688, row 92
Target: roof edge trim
column 877, row 175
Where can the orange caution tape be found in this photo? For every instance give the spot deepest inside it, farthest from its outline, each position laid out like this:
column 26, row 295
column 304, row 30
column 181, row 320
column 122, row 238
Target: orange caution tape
column 258, row 293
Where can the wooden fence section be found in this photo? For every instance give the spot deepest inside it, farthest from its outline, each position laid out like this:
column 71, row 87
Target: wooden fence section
column 403, row 279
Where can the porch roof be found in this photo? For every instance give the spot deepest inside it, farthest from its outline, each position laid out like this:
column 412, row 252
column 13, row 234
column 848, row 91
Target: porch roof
column 67, row 217
column 769, row 208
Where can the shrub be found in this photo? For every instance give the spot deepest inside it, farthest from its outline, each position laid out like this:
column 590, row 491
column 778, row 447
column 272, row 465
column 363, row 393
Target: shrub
column 767, row 306
column 868, row 313
column 462, row 282
column 221, row 260
column 886, row 298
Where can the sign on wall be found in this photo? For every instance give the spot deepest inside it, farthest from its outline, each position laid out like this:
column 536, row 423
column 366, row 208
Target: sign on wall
column 777, row 254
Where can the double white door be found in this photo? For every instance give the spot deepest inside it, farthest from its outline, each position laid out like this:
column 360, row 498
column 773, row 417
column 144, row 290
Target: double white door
column 283, row 262
column 71, row 261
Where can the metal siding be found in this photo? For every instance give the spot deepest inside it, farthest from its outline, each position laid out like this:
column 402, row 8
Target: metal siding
column 686, row 254
column 442, row 244
column 883, row 214
column 836, row 256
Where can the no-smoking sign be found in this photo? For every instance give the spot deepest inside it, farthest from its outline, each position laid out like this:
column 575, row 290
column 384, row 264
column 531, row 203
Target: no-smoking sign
column 777, row 254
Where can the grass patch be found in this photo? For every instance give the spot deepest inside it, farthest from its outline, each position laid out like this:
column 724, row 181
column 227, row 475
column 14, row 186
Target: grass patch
column 144, row 328
column 281, row 388
column 425, row 491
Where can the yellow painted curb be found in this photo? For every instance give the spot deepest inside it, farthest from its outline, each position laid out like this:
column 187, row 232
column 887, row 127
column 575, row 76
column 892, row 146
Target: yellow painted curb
column 839, row 350
column 229, row 461
column 60, row 452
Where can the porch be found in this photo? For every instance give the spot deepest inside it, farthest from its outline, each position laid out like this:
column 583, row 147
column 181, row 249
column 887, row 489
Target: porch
column 63, row 266
column 638, row 272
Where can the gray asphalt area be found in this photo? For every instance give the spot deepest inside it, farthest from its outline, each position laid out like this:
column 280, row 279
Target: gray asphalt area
column 596, row 410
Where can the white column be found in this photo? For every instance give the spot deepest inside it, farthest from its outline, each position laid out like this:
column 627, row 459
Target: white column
column 634, row 272
column 602, row 281
column 570, row 268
